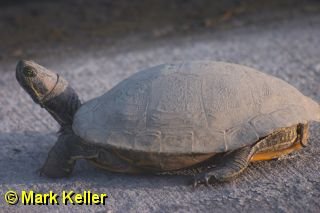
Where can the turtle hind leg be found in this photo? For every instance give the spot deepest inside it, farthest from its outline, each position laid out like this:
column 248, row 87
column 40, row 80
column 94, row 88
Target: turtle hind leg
column 281, row 142
column 230, row 165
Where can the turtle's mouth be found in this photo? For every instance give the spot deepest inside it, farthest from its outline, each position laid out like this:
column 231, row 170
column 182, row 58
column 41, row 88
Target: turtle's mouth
column 36, row 80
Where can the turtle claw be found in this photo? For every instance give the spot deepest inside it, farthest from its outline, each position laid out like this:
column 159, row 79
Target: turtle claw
column 201, row 179
column 54, row 172
column 39, row 172
column 195, row 184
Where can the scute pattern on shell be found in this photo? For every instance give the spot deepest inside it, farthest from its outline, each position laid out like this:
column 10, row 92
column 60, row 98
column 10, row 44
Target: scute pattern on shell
column 192, row 107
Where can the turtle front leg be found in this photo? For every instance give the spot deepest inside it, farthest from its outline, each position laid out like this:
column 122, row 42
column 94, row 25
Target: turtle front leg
column 63, row 155
column 231, row 165
column 59, row 162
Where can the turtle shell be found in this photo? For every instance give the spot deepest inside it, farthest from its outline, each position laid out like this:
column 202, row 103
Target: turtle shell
column 192, row 108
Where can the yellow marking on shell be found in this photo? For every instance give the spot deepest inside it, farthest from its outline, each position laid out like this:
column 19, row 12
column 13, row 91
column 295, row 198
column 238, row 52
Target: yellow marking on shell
column 275, row 154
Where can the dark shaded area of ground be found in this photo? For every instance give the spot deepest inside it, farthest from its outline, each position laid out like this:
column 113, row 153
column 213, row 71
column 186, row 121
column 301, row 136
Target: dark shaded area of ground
column 29, row 26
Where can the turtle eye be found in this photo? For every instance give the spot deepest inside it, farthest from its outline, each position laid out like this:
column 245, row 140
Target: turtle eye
column 29, row 72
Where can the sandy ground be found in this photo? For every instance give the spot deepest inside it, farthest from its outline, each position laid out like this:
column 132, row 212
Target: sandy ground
column 286, row 45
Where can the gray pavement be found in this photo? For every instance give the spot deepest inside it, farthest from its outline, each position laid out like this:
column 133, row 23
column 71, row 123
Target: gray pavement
column 285, row 47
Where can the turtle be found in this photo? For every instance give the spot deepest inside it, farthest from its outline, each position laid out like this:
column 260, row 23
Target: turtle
column 213, row 118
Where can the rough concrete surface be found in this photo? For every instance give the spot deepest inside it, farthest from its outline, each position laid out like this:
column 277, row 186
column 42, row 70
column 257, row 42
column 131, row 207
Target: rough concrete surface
column 286, row 46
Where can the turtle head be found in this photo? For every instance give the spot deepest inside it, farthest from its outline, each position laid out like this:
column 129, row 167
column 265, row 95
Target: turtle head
column 36, row 80
column 49, row 90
